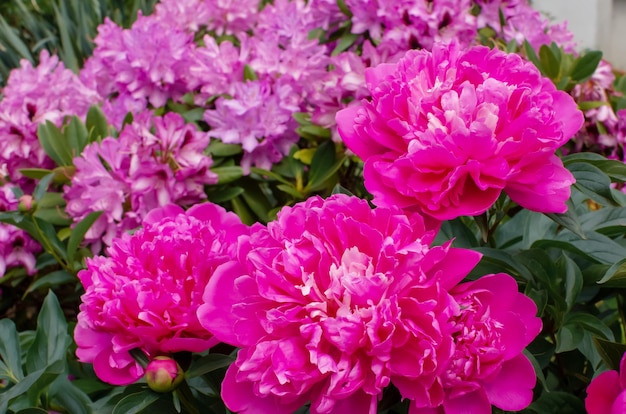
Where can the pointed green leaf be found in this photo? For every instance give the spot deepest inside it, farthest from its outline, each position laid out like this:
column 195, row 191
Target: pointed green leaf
column 97, row 125
column 136, row 402
column 51, row 338
column 610, row 352
column 51, row 280
column 78, row 234
column 586, row 65
column 208, row 363
column 10, row 351
column 54, row 144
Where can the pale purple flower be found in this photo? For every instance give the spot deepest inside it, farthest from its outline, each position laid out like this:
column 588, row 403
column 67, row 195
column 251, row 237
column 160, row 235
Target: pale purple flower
column 32, row 96
column 155, row 161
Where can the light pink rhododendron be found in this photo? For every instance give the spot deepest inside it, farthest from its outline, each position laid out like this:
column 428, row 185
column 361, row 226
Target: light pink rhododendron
column 446, row 132
column 493, row 325
column 146, row 292
column 607, row 392
column 332, row 302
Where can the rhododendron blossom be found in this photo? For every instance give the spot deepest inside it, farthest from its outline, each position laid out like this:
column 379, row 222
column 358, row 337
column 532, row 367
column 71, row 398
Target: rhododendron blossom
column 446, row 132
column 332, row 302
column 146, row 292
column 607, row 392
column 493, row 325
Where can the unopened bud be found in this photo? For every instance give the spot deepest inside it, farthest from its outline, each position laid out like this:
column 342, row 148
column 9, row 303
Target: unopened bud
column 163, row 374
column 26, row 203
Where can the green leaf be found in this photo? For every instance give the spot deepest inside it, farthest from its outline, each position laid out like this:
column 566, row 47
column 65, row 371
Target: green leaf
column 97, row 125
column 42, row 187
column 573, row 282
column 54, row 216
column 597, row 247
column 570, row 336
column 615, row 276
column 610, row 352
column 51, row 280
column 71, row 398
column 32, row 411
column 35, row 173
column 313, row 132
column 10, row 352
column 591, row 181
column 224, row 194
column 249, row 74
column 456, row 230
column 557, row 402
column 344, row 43
column 532, row 55
column 549, row 62
column 586, row 65
column 78, row 234
column 613, row 168
column 33, row 385
column 51, row 338
column 136, row 402
column 228, row 174
column 76, row 135
column 54, row 144
column 219, row 149
column 569, row 220
column 322, row 161
column 208, row 363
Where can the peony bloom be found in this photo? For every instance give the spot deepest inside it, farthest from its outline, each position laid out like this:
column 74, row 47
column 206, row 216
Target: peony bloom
column 607, row 392
column 493, row 325
column 446, row 132
column 332, row 302
column 146, row 292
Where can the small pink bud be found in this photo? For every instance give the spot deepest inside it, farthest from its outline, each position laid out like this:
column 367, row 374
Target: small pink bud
column 163, row 374
column 26, row 203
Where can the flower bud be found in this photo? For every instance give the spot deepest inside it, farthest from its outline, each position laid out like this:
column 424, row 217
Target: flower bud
column 26, row 203
column 163, row 374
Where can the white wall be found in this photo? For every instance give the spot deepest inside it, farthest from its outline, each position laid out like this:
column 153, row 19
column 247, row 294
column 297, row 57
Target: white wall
column 596, row 24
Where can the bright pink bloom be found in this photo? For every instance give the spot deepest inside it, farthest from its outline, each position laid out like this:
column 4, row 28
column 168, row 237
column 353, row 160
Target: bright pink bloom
column 446, row 132
column 493, row 325
column 607, row 392
column 331, row 303
column 146, row 292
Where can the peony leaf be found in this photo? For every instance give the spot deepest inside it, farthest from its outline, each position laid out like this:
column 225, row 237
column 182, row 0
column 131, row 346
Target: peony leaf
column 591, row 181
column 615, row 276
column 10, row 352
column 51, row 338
column 208, row 363
column 136, row 402
column 610, row 352
column 557, row 402
column 53, row 279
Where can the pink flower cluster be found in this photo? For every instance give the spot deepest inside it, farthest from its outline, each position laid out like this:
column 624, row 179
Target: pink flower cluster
column 607, row 392
column 332, row 302
column 146, row 292
column 155, row 161
column 17, row 248
column 446, row 132
column 33, row 95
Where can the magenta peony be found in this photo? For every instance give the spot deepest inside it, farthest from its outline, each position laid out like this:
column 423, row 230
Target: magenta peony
column 607, row 392
column 332, row 302
column 493, row 325
column 146, row 292
column 446, row 132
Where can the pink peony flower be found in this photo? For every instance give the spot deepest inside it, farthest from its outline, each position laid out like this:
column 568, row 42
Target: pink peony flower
column 493, row 325
column 331, row 303
column 446, row 132
column 607, row 392
column 146, row 292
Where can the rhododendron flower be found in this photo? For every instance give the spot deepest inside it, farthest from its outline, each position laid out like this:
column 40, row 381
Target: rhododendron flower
column 446, row 132
column 607, row 392
column 493, row 325
column 32, row 96
column 146, row 292
column 332, row 302
column 155, row 161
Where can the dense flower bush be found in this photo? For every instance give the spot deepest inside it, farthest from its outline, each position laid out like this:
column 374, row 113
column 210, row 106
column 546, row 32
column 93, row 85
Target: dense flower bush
column 314, row 206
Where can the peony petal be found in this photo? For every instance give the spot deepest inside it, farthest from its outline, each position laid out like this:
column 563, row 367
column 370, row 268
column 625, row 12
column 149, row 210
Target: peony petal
column 602, row 393
column 471, row 403
column 512, row 389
